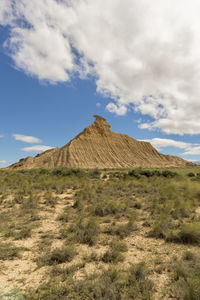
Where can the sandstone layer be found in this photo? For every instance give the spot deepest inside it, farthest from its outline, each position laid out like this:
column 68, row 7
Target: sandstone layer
column 99, row 147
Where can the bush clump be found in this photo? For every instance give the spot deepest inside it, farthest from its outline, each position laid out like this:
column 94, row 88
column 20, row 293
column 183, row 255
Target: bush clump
column 114, row 254
column 57, row 256
column 189, row 234
column 64, row 171
column 85, row 231
column 186, row 278
column 9, row 251
column 112, row 284
column 138, row 172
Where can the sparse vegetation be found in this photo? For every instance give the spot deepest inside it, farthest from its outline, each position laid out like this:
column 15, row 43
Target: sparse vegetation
column 57, row 256
column 186, row 277
column 8, row 251
column 87, row 233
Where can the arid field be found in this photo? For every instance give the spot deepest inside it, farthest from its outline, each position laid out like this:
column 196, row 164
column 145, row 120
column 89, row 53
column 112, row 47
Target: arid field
column 100, row 234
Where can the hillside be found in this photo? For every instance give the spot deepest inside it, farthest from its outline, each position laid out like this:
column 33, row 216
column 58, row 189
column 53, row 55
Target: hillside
column 99, row 147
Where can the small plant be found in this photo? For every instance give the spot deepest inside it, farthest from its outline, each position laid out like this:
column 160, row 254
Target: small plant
column 189, row 256
column 122, row 230
column 50, row 200
column 114, row 254
column 85, row 231
column 58, row 256
column 190, row 233
column 24, row 233
column 191, row 174
column 9, row 251
column 186, row 279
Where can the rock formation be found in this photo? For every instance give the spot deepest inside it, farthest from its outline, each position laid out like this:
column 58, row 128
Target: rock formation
column 99, row 147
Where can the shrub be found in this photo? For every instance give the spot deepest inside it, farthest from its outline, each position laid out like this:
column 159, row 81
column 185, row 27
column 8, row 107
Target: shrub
column 64, row 217
column 114, row 255
column 85, row 231
column 122, row 230
column 30, row 204
column 95, row 173
column 23, row 233
column 62, row 255
column 188, row 255
column 168, row 174
column 186, row 278
column 57, row 256
column 64, row 171
column 50, row 200
column 190, row 233
column 112, row 284
column 109, row 208
column 191, row 174
column 9, row 251
column 160, row 229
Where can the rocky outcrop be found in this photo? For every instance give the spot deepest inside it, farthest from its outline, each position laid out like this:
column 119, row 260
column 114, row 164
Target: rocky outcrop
column 99, row 147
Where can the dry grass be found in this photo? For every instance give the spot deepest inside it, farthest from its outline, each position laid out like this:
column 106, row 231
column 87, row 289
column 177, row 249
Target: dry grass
column 68, row 234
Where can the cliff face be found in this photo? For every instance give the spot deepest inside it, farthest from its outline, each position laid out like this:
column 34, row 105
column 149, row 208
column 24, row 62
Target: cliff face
column 99, row 147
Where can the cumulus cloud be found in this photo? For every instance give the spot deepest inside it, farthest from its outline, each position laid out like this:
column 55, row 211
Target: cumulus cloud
column 190, row 148
column 144, row 54
column 37, row 148
column 3, row 162
column 26, row 138
column 117, row 109
column 162, row 143
column 193, row 151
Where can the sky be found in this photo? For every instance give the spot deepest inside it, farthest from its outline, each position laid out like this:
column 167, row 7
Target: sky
column 136, row 63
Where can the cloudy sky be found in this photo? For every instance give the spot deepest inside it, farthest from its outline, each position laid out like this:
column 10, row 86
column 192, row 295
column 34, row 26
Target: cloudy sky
column 137, row 63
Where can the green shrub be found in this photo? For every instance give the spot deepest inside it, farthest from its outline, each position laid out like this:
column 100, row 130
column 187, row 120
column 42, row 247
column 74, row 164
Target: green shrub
column 61, row 255
column 168, row 174
column 188, row 255
column 85, row 231
column 112, row 284
column 9, row 251
column 109, row 208
column 160, row 229
column 191, row 174
column 64, row 217
column 49, row 200
column 122, row 230
column 24, row 233
column 190, row 233
column 114, row 255
column 64, row 171
column 186, row 278
column 95, row 173
column 57, row 256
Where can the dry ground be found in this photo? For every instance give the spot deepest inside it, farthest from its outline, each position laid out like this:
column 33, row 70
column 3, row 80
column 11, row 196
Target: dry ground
column 30, row 266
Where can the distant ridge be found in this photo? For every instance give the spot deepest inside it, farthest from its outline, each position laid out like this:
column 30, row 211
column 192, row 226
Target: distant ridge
column 99, row 147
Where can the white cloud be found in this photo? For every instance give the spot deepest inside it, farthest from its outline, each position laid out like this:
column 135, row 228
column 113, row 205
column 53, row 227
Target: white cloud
column 26, row 138
column 193, row 151
column 190, row 148
column 3, row 162
column 117, row 109
column 6, row 13
column 162, row 143
column 144, row 53
column 37, row 148
column 192, row 160
column 98, row 104
column 1, row 136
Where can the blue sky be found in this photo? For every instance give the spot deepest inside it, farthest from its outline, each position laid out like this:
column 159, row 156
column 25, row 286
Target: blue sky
column 51, row 93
